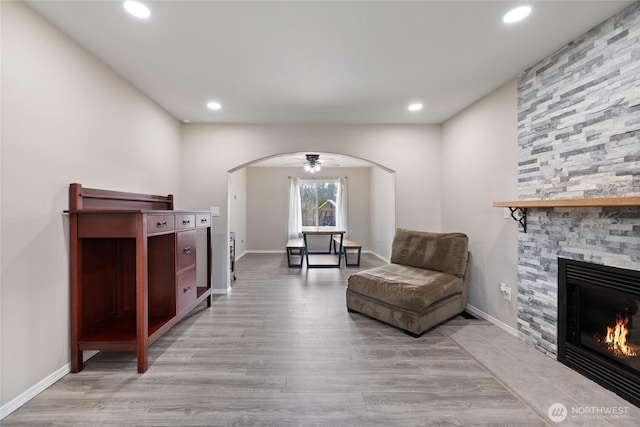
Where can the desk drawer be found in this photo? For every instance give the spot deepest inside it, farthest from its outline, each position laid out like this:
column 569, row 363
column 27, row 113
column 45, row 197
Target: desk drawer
column 186, row 289
column 160, row 223
column 203, row 220
column 185, row 249
column 185, row 221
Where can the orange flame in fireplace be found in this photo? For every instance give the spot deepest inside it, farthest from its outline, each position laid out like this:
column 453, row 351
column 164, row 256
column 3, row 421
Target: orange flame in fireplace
column 616, row 337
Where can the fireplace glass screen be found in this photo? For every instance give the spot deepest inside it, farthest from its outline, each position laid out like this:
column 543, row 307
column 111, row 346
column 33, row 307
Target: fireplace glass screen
column 610, row 325
column 599, row 324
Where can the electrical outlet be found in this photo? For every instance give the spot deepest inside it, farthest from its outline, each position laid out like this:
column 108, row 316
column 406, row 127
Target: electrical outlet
column 506, row 291
column 507, row 294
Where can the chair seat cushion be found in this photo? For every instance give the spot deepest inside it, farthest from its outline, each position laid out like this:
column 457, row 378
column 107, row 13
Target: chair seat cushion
column 404, row 286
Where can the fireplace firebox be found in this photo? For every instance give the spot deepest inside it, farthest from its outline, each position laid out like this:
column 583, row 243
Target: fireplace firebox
column 599, row 324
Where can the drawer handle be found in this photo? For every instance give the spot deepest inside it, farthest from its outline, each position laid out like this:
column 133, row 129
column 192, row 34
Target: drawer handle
column 186, row 221
column 187, row 289
column 161, row 224
column 203, row 220
column 187, row 250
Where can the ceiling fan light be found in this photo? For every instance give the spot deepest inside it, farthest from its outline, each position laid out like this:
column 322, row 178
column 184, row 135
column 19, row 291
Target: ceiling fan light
column 313, row 163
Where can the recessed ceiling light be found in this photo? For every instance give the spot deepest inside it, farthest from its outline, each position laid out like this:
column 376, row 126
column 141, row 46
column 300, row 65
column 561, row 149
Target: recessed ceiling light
column 137, row 9
column 212, row 105
column 187, row 121
column 517, row 14
column 416, row 106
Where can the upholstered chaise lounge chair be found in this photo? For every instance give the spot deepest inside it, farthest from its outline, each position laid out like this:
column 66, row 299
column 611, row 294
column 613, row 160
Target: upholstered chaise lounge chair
column 425, row 283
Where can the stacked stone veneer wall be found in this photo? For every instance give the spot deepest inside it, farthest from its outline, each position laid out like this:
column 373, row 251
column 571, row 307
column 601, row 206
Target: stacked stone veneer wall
column 578, row 136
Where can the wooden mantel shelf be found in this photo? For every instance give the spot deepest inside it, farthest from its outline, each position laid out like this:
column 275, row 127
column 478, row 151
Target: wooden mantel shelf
column 568, row 203
column 518, row 208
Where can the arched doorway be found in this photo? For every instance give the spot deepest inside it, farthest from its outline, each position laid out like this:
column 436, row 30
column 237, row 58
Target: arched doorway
column 258, row 194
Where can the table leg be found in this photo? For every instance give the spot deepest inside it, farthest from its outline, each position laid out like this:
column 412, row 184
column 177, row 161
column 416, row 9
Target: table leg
column 306, row 248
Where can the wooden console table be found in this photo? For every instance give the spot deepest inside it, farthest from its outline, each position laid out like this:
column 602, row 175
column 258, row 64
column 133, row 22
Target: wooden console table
column 133, row 269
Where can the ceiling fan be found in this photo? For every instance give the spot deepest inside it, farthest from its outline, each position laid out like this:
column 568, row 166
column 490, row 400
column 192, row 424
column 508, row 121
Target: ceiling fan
column 312, row 162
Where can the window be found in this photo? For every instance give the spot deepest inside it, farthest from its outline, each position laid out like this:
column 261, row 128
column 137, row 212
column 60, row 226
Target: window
column 318, row 200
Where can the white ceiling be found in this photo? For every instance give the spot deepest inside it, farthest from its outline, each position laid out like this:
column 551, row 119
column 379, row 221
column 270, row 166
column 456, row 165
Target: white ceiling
column 321, row 61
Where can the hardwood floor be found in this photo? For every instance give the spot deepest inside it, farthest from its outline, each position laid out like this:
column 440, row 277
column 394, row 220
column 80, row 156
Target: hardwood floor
column 282, row 350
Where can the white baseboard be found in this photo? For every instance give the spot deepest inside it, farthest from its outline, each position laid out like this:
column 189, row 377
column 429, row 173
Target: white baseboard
column 32, row 392
column 377, row 256
column 278, row 251
column 479, row 313
column 221, row 291
column 41, row 386
column 380, row 256
column 284, row 252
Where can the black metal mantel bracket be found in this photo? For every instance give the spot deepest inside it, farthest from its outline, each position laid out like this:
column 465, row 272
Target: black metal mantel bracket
column 520, row 215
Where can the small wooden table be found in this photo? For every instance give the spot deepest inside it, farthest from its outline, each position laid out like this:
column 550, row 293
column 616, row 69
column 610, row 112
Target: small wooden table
column 323, row 231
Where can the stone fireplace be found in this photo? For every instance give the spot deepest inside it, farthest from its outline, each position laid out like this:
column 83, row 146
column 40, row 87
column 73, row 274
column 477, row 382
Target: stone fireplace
column 599, row 324
column 578, row 137
column 606, row 236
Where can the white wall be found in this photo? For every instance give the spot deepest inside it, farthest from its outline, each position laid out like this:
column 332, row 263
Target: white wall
column 383, row 212
column 238, row 209
column 413, row 152
column 65, row 118
column 480, row 164
column 267, row 208
column 268, row 204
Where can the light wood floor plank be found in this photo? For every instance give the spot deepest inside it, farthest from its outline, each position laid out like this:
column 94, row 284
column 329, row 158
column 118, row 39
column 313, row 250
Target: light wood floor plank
column 282, row 350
